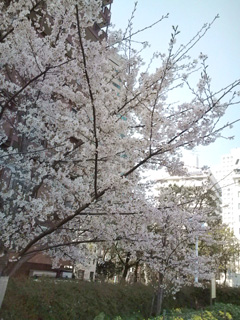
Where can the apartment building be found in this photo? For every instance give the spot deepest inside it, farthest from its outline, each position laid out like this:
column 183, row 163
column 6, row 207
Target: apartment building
column 195, row 178
column 228, row 176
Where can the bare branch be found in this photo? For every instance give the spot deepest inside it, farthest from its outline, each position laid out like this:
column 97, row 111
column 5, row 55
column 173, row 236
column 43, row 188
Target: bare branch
column 141, row 30
column 6, row 34
column 160, row 86
column 185, row 49
column 30, row 152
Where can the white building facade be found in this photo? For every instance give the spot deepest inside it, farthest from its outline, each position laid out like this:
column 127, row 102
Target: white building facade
column 228, row 176
column 195, row 178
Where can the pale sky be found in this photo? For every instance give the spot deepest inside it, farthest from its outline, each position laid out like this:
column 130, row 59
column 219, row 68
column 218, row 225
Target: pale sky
column 221, row 44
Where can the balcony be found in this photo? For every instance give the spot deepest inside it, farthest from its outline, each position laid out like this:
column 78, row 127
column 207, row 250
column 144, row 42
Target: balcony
column 106, row 2
column 106, row 17
column 92, row 33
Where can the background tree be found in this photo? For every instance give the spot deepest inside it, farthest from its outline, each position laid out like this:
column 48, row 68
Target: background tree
column 108, row 265
column 225, row 251
column 177, row 228
column 229, row 251
column 114, row 261
column 224, row 248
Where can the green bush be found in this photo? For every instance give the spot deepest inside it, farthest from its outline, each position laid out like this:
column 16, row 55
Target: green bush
column 228, row 295
column 189, row 297
column 217, row 312
column 48, row 299
column 62, row 300
column 197, row 298
column 231, row 311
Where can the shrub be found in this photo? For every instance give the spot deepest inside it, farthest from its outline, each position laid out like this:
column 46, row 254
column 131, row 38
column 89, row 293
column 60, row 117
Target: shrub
column 197, row 298
column 64, row 299
column 48, row 299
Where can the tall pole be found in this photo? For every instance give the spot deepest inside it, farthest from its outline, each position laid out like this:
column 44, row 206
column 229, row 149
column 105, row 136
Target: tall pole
column 196, row 248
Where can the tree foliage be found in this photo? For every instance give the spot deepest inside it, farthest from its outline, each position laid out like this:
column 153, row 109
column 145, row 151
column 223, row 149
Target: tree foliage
column 80, row 124
column 225, row 250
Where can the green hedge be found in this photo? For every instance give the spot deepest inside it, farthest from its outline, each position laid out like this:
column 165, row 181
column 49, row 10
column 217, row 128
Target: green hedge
column 229, row 295
column 62, row 300
column 219, row 311
column 197, row 298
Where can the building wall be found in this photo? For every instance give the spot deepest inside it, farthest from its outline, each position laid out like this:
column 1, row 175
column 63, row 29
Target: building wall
column 196, row 178
column 86, row 272
column 228, row 175
column 232, row 279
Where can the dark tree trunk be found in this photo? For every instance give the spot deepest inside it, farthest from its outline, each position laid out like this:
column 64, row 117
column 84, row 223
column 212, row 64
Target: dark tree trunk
column 159, row 296
column 136, row 272
column 156, row 308
column 126, row 267
column 225, row 277
column 11, row 268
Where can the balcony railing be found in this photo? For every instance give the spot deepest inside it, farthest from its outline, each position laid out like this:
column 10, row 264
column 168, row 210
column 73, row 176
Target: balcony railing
column 106, row 2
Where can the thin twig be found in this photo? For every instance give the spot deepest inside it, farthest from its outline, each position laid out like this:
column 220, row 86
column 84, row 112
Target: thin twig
column 141, row 30
column 192, row 43
column 167, row 68
column 30, row 152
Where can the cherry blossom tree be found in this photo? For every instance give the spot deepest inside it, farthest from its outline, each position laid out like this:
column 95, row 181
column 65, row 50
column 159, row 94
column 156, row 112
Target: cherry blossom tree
column 81, row 121
column 186, row 219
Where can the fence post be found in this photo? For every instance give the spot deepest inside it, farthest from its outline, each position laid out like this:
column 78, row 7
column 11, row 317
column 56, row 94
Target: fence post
column 3, row 287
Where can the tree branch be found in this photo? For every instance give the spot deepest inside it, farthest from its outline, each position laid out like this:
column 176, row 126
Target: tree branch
column 92, row 103
column 71, row 243
column 141, row 30
column 28, row 83
column 61, row 223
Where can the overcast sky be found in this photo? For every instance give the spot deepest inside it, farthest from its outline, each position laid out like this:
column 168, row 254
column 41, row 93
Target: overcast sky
column 221, row 44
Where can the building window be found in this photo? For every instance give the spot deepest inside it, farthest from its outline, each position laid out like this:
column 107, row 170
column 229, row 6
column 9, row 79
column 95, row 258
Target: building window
column 80, row 274
column 116, row 85
column 239, row 194
column 239, row 206
column 91, row 276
